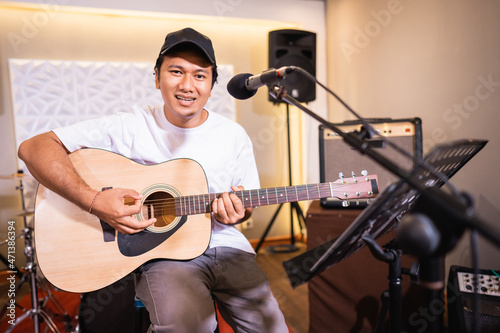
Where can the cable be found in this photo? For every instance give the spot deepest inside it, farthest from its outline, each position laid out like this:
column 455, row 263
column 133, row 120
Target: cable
column 418, row 161
column 475, row 266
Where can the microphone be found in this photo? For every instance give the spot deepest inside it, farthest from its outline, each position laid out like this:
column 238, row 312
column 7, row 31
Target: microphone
column 243, row 86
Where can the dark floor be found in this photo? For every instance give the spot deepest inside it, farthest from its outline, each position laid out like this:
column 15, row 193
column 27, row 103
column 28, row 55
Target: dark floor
column 293, row 302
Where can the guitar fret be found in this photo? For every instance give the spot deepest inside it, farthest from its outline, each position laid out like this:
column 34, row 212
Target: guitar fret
column 203, row 208
column 283, row 192
column 249, row 199
column 241, row 196
column 301, row 191
column 176, row 207
column 206, row 204
column 212, row 197
column 198, row 203
column 244, row 199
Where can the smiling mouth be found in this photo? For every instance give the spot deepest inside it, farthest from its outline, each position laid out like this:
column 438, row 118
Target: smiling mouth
column 185, row 99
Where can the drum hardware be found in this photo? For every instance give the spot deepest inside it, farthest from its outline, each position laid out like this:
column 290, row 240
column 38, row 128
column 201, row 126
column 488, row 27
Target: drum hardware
column 38, row 312
column 19, row 174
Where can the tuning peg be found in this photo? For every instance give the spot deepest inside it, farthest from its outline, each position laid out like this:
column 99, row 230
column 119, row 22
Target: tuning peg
column 341, row 176
column 345, row 203
column 353, row 174
column 364, row 173
column 357, row 202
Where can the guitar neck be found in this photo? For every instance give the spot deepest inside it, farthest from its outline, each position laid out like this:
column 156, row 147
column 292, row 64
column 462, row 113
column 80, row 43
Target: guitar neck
column 202, row 203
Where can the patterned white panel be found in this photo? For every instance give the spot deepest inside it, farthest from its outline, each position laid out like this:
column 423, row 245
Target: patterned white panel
column 47, row 94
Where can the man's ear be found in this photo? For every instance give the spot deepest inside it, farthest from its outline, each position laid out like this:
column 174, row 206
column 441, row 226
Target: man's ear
column 157, row 79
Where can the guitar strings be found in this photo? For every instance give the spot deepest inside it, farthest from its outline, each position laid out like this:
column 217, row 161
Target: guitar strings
column 170, row 203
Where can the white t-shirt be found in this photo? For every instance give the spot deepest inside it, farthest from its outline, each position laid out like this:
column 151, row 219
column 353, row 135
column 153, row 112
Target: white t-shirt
column 219, row 145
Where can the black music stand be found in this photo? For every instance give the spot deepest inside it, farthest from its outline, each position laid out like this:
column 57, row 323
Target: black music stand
column 383, row 215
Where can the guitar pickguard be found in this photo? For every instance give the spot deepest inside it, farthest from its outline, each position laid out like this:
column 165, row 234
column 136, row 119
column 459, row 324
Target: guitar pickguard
column 132, row 245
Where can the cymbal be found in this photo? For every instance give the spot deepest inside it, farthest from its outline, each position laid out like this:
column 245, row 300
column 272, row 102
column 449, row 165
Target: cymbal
column 13, row 176
column 26, row 213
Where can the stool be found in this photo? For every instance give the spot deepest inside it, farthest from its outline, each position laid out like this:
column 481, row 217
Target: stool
column 140, row 310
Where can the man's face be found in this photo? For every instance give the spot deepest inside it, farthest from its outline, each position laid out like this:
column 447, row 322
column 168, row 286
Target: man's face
column 185, row 82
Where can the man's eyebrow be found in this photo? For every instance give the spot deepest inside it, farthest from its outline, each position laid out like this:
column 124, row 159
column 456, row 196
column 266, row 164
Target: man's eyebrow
column 200, row 69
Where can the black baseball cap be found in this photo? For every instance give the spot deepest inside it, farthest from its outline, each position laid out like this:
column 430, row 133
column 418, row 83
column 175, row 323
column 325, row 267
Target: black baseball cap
column 189, row 35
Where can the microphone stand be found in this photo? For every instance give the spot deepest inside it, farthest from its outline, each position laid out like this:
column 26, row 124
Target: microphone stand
column 457, row 208
column 284, row 248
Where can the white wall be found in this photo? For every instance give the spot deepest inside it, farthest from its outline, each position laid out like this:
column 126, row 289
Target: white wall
column 438, row 60
column 134, row 31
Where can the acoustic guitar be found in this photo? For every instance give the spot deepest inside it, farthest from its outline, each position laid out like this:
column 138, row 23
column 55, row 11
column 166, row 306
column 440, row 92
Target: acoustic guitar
column 77, row 252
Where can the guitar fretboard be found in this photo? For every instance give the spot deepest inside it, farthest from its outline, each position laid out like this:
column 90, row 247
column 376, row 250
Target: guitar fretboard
column 202, row 203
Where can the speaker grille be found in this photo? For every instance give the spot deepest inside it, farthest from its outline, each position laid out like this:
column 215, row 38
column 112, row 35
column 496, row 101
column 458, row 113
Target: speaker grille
column 289, row 47
column 336, row 156
column 460, row 296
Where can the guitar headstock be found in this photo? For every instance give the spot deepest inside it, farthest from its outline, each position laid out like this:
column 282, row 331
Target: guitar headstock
column 364, row 186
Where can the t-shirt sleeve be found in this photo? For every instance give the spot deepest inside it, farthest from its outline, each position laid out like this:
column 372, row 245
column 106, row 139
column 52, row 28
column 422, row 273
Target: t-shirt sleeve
column 104, row 133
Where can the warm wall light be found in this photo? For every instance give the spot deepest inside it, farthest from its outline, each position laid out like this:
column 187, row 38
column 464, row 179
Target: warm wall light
column 54, row 7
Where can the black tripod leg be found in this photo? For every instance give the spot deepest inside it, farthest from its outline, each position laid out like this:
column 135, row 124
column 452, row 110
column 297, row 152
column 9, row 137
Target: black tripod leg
column 300, row 215
column 383, row 311
column 268, row 228
column 8, row 264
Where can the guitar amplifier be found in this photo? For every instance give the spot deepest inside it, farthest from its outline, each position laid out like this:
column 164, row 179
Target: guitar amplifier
column 460, row 297
column 337, row 156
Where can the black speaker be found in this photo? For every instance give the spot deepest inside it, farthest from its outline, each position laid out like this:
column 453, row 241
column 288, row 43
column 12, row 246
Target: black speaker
column 337, row 156
column 460, row 296
column 289, row 47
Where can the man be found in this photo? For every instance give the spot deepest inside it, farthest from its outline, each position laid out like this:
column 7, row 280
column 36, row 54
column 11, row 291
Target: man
column 177, row 294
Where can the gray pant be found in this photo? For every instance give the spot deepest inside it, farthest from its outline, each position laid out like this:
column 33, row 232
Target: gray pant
column 179, row 295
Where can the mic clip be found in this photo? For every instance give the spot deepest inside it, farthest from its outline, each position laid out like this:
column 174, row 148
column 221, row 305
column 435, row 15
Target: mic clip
column 277, row 91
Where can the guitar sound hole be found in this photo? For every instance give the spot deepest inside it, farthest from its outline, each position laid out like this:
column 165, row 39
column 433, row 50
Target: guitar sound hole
column 161, row 206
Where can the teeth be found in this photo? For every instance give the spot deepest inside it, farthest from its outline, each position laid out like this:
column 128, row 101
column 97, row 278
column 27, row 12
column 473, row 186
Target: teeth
column 185, row 99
